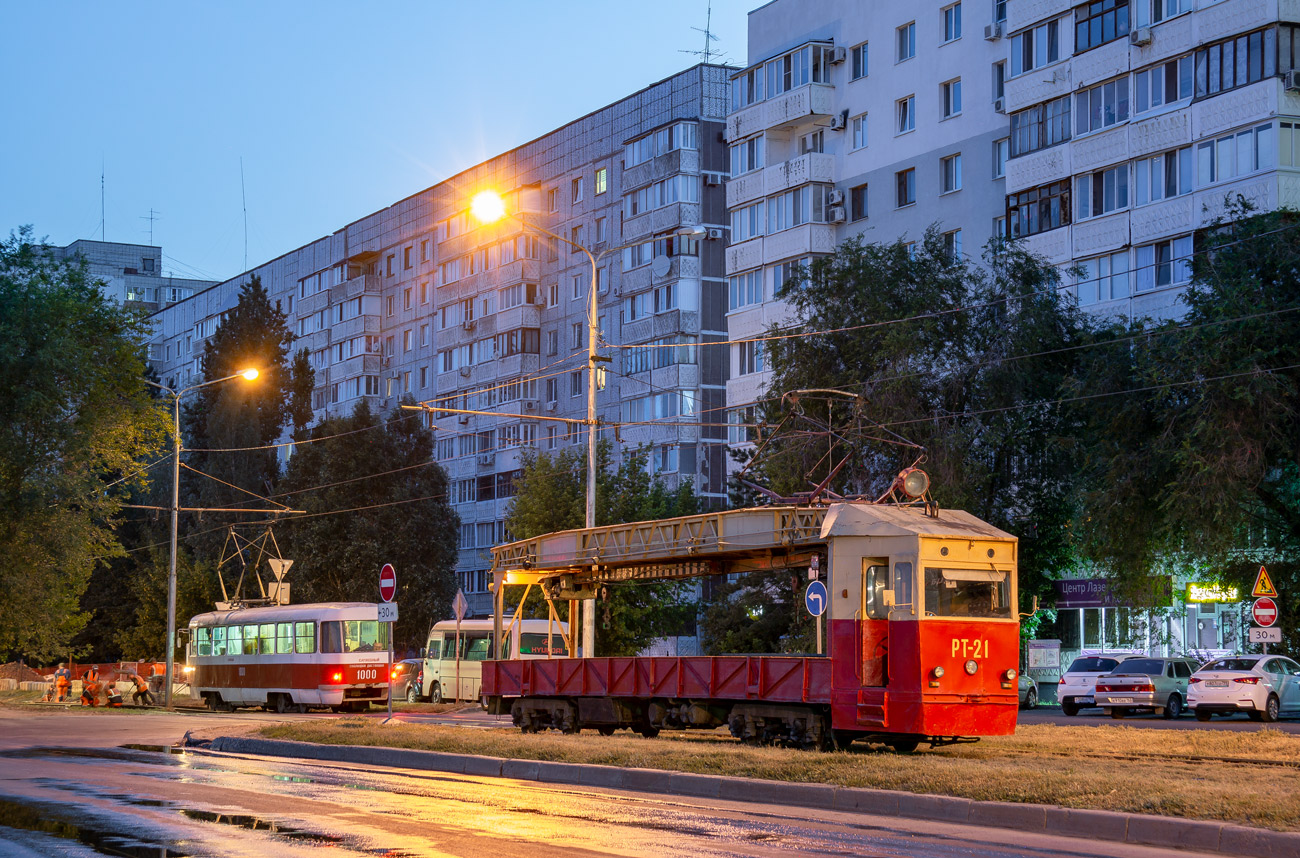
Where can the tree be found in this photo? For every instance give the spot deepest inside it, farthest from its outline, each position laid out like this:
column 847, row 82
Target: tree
column 383, row 474
column 551, row 496
column 77, row 424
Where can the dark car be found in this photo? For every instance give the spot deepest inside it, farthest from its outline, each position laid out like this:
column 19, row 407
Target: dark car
column 406, row 675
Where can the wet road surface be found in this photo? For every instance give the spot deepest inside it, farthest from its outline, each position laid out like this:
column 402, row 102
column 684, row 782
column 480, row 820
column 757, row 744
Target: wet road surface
column 138, row 801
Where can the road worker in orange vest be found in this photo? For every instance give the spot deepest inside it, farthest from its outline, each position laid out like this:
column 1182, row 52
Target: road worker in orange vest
column 141, row 691
column 62, row 683
column 90, row 687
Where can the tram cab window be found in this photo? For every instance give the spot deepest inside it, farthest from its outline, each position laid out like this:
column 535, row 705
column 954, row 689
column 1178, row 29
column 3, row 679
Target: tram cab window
column 353, row 636
column 967, row 593
column 203, row 641
column 219, row 640
column 876, row 582
column 903, row 586
column 234, row 640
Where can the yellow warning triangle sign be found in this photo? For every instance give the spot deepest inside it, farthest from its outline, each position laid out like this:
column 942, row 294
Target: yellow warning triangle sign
column 1263, row 584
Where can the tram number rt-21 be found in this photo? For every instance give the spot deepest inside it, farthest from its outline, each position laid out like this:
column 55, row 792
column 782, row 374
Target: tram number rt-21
column 967, row 648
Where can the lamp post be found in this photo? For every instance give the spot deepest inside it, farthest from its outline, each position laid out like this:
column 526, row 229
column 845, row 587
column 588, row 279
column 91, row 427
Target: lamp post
column 249, row 375
column 488, row 207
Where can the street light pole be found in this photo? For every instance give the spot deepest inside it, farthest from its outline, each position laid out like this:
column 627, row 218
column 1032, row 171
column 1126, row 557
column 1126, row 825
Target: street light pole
column 248, row 374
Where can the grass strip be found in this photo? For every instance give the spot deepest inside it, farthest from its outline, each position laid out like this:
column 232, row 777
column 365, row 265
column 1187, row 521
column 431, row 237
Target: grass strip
column 1116, row 768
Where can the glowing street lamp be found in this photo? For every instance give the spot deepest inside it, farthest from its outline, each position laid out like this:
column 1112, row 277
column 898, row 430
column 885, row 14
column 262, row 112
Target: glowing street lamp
column 489, row 207
column 249, row 375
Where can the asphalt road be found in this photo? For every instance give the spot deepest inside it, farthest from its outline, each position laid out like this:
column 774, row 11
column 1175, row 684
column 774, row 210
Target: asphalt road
column 1096, row 717
column 66, row 790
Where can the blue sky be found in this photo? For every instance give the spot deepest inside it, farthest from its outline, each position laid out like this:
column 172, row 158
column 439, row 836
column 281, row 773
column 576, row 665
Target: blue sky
column 337, row 109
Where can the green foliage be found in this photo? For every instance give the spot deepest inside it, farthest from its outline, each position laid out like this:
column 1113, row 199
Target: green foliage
column 551, row 496
column 384, row 471
column 760, row 612
column 77, row 423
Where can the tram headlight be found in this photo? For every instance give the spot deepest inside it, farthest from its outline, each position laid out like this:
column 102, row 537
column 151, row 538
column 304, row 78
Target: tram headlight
column 1010, row 675
column 938, row 672
column 914, row 482
column 972, row 666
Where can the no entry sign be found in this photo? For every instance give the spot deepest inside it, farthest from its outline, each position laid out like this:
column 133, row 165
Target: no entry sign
column 387, row 582
column 1264, row 612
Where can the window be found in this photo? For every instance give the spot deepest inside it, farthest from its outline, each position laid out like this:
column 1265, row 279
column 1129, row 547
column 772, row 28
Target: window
column 952, row 22
column 424, row 292
column 1147, row 12
column 950, row 174
column 1040, row 126
column 602, row 229
column 575, row 190
column 1103, row 278
column 1234, row 155
column 602, row 180
column 858, row 58
column 424, row 377
column 391, row 303
column 962, row 593
column 951, row 98
column 810, row 63
column 1035, row 48
column 858, row 202
column 575, row 335
column 682, row 135
column 749, row 357
column 1001, row 151
column 1038, row 209
column 906, row 114
column 1162, row 176
column 952, row 244
column 1239, row 62
column 424, row 335
column 406, row 299
column 1289, row 144
column 1000, row 227
column 552, row 342
column 553, row 200
column 747, row 156
column 1101, row 192
column 747, row 222
column 682, row 188
column 575, row 383
column 999, row 11
column 906, row 183
column 406, row 257
column 747, row 88
column 575, row 239
column 1101, row 107
column 859, row 128
column 1165, row 263
column 796, row 207
column 424, row 250
column 746, row 289
column 999, row 79
column 1164, row 84
column 906, row 41
column 1098, row 23
column 389, row 265
column 813, row 141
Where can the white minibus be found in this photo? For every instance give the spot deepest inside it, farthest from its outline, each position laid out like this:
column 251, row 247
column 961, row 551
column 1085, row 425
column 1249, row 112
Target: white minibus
column 528, row 639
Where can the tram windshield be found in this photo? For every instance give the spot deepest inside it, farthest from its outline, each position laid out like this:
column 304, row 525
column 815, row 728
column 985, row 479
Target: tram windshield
column 982, row 593
column 353, row 636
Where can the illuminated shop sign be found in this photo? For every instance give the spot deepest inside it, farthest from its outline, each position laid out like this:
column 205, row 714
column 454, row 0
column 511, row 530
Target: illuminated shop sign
column 1205, row 592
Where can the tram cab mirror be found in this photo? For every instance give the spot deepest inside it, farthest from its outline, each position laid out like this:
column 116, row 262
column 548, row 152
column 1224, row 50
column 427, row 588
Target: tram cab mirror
column 887, row 598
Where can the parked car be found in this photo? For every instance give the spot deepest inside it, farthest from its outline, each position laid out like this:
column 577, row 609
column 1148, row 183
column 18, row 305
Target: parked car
column 406, row 684
column 1145, row 685
column 1028, row 692
column 1265, row 687
column 1077, row 686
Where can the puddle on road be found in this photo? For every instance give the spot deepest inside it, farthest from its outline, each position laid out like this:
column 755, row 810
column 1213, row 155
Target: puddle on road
column 253, row 823
column 41, row 819
column 126, row 753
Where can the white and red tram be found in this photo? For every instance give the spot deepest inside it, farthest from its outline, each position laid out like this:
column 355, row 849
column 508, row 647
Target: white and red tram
column 331, row 654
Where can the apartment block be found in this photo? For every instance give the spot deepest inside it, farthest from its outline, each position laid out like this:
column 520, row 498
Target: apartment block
column 1132, row 121
column 422, row 299
column 878, row 120
column 131, row 273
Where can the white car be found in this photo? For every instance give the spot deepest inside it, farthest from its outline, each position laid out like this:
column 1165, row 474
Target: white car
column 1078, row 685
column 1265, row 687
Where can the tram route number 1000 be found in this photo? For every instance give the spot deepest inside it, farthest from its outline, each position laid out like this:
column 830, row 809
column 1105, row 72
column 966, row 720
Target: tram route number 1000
column 968, row 648
column 367, row 673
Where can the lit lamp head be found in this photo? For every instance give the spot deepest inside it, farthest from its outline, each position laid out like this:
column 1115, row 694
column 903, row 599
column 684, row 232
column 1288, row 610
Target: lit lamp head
column 913, row 482
column 249, row 374
column 487, row 207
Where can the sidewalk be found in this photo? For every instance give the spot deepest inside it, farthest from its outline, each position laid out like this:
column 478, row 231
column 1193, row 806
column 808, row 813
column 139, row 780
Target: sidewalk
column 1206, row 836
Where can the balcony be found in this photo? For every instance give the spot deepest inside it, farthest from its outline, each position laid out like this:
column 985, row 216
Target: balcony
column 783, row 111
column 523, row 316
column 357, row 285
column 812, row 167
column 661, row 167
column 356, row 327
column 660, row 220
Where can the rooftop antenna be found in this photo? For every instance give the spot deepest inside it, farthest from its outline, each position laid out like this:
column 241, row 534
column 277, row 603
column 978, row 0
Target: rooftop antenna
column 244, row 198
column 708, row 54
column 103, row 221
column 151, row 217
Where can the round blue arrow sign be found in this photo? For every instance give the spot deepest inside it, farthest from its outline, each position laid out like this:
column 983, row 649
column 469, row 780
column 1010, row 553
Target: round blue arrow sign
column 815, row 598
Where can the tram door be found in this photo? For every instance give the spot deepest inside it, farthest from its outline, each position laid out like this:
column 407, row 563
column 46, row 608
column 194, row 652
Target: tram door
column 874, row 652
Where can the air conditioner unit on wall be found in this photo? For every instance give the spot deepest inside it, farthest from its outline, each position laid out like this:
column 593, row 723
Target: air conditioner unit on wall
column 715, row 232
column 836, row 197
column 993, row 32
column 468, row 324
column 1140, row 36
column 530, row 404
column 713, row 180
column 837, row 215
column 838, row 121
column 485, row 458
column 464, row 371
column 463, row 418
column 550, row 406
column 1000, row 105
column 1291, row 80
column 838, row 55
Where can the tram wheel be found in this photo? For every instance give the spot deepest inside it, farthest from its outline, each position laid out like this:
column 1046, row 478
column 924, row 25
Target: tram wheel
column 606, row 729
column 648, row 731
column 213, row 700
column 903, row 746
column 283, row 703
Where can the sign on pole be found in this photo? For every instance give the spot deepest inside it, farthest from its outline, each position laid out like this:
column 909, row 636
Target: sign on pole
column 1263, row 585
column 460, row 605
column 387, row 582
column 1266, row 636
column 1264, row 612
column 815, row 598
column 387, row 612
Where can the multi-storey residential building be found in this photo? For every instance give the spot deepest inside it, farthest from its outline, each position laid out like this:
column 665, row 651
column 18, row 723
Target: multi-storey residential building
column 1131, row 123
column 421, row 299
column 131, row 273
column 852, row 120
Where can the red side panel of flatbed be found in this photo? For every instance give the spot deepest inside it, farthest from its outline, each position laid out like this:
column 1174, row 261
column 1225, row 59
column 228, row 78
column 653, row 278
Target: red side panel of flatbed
column 773, row 678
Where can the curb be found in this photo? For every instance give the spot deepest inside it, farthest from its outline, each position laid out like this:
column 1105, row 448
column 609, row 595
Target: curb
column 1138, row 829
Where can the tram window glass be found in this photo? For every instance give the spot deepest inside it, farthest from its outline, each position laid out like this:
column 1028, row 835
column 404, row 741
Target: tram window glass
column 219, row 640
column 365, row 636
column 203, row 641
column 876, row 582
column 476, row 647
column 903, row 585
column 967, row 593
column 234, row 640
column 304, row 637
column 283, row 638
column 250, row 640
column 534, row 643
column 266, row 638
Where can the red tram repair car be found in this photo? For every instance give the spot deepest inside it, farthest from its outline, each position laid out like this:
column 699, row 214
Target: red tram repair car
column 923, row 629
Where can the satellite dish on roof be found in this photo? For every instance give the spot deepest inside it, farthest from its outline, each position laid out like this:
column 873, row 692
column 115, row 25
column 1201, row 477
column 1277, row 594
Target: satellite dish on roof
column 660, row 264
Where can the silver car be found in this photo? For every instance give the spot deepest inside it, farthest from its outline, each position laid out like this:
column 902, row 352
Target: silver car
column 1146, row 685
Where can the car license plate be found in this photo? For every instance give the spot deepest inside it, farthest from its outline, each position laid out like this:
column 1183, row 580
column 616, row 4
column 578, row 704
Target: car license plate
column 1121, row 700
column 1216, row 683
column 1083, row 700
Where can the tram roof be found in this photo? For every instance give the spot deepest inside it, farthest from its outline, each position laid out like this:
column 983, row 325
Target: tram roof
column 863, row 519
column 290, row 613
